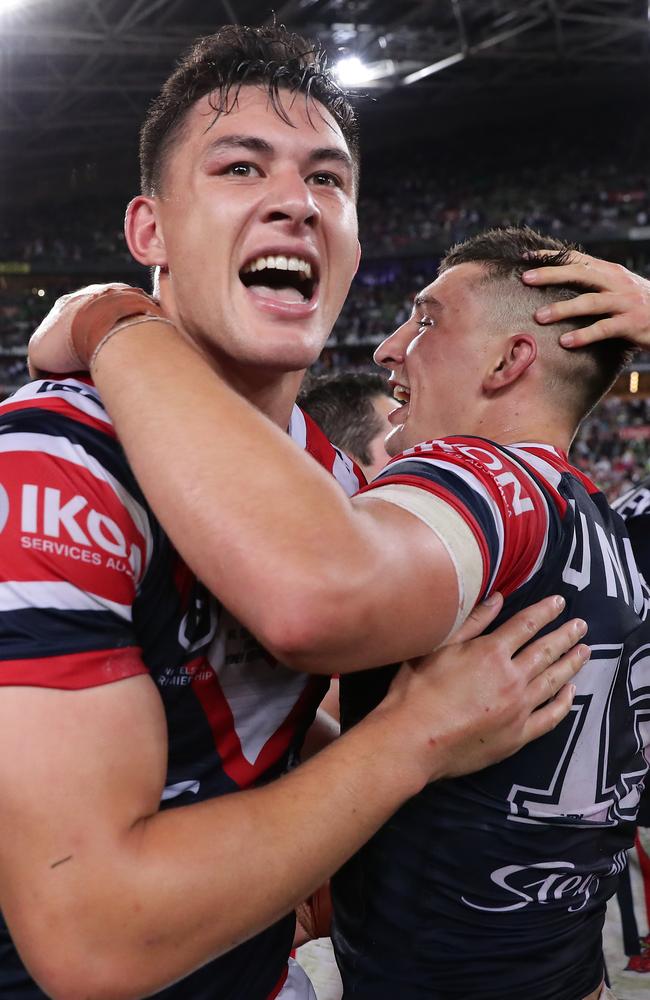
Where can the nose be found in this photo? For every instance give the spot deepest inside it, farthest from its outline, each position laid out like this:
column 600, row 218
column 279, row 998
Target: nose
column 291, row 200
column 392, row 350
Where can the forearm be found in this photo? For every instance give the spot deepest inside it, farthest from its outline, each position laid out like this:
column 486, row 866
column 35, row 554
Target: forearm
column 188, row 884
column 349, row 789
column 254, row 516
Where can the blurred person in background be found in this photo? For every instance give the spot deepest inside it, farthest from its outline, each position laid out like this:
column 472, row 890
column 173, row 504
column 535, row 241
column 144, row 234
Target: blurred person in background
column 352, row 409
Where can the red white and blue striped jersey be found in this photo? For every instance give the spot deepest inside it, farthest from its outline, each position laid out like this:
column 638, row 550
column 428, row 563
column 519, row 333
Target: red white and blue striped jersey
column 92, row 591
column 495, row 884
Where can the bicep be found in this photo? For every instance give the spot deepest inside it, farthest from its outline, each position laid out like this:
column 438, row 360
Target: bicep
column 77, row 771
column 422, row 579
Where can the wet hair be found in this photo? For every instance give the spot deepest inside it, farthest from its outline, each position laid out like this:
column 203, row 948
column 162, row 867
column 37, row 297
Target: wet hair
column 581, row 376
column 341, row 405
column 219, row 65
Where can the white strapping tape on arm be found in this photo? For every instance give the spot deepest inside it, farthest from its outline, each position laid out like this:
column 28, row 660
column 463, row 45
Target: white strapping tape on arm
column 452, row 530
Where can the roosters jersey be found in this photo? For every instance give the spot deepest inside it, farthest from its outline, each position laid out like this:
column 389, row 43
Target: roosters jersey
column 494, row 885
column 634, row 508
column 92, row 591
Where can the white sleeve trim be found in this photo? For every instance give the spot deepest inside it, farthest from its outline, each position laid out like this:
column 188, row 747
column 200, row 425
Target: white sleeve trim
column 452, row 530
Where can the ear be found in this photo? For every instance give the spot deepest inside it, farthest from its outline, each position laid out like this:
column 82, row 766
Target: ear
column 143, row 232
column 358, row 260
column 518, row 354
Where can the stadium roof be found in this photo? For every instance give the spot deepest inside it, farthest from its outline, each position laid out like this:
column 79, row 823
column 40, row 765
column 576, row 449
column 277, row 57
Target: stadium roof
column 76, row 75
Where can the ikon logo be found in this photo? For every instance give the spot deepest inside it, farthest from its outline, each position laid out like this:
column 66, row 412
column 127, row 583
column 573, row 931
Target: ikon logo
column 43, row 513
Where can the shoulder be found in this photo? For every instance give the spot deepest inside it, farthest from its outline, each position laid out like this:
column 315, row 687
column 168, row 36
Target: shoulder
column 64, row 422
column 51, row 400
column 470, row 471
column 498, row 497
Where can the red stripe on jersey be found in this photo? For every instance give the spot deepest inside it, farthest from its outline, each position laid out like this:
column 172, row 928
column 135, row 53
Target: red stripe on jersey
column 560, row 462
column 519, row 510
column 184, row 580
column 75, row 671
column 280, row 983
column 318, row 445
column 321, row 448
column 55, row 404
column 207, row 689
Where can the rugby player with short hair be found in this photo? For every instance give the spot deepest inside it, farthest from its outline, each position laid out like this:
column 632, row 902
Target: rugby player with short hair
column 492, row 885
column 145, row 847
column 497, row 883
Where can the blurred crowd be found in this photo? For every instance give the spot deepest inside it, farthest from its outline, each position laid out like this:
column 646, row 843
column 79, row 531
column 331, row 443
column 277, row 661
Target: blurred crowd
column 19, row 315
column 64, row 238
column 613, row 445
column 430, row 206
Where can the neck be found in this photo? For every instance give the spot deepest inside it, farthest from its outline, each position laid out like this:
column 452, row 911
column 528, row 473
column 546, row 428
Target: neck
column 520, row 421
column 273, row 393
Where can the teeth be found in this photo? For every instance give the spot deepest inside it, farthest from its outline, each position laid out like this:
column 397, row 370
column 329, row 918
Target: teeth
column 401, row 394
column 281, row 263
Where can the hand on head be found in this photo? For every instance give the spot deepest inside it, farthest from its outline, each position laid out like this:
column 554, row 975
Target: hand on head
column 619, row 298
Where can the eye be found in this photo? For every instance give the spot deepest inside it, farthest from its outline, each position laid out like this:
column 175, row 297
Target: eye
column 325, row 179
column 242, row 170
column 423, row 322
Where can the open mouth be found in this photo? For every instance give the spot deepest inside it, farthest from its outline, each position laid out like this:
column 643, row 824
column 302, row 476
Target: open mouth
column 288, row 279
column 401, row 394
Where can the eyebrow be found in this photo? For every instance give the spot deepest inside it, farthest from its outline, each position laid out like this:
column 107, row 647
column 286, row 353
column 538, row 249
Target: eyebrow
column 252, row 142
column 427, row 300
column 256, row 144
column 332, row 153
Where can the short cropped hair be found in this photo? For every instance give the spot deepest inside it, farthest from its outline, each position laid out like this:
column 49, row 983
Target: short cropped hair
column 342, row 407
column 222, row 63
column 579, row 376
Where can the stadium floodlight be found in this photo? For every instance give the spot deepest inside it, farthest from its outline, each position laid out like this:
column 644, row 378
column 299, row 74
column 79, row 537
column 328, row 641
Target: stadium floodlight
column 15, row 7
column 352, row 72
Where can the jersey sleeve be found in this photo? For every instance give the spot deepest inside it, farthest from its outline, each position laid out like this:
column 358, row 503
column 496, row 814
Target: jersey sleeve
column 495, row 496
column 75, row 545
